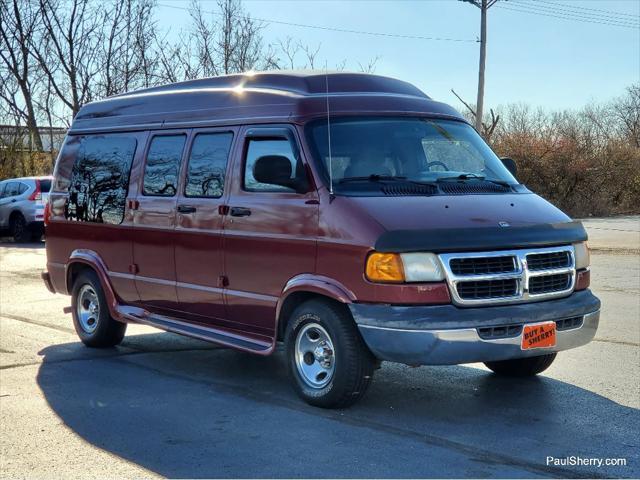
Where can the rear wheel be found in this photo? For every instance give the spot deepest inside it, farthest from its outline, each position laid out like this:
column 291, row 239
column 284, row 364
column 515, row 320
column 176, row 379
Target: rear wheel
column 329, row 364
column 91, row 317
column 19, row 230
column 522, row 367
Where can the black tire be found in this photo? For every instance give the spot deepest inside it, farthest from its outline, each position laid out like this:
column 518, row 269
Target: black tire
column 354, row 363
column 522, row 367
column 19, row 230
column 104, row 331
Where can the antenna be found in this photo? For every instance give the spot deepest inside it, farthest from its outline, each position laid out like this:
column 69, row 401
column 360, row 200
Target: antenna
column 326, row 78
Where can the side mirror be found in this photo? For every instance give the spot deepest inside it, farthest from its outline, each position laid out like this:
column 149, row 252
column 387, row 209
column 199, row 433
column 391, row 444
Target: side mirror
column 276, row 170
column 510, row 164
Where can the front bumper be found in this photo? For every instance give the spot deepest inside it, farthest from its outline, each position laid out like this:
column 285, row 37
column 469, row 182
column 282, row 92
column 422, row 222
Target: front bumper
column 448, row 335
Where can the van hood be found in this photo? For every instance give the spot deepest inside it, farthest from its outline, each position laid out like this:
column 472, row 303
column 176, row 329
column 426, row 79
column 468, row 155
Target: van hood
column 468, row 222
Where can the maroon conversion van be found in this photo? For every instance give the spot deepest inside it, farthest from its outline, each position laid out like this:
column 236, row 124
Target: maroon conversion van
column 348, row 215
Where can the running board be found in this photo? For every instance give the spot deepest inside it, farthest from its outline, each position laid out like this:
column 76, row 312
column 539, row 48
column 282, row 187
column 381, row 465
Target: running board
column 222, row 337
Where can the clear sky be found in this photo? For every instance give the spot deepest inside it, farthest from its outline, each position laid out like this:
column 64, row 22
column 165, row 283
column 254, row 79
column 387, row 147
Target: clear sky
column 534, row 58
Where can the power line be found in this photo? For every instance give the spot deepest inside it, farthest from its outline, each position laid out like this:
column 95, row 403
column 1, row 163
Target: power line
column 514, row 9
column 609, row 12
column 572, row 14
column 335, row 29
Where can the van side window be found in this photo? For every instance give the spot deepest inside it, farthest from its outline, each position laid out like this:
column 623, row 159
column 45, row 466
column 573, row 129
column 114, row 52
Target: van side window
column 208, row 164
column 163, row 165
column 100, row 179
column 261, row 147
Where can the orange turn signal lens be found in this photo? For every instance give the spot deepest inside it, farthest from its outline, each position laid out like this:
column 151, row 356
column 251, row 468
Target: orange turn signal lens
column 384, row 267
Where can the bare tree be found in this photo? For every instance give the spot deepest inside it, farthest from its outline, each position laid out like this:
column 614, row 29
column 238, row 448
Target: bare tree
column 370, row 66
column 68, row 48
column 204, row 38
column 229, row 42
column 486, row 128
column 289, row 49
column 311, row 54
column 626, row 110
column 125, row 54
column 18, row 22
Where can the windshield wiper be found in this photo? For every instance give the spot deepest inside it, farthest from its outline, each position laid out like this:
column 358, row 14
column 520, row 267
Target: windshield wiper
column 372, row 178
column 383, row 178
column 472, row 176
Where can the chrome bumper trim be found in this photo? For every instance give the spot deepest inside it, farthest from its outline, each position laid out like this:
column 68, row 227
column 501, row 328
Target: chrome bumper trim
column 464, row 345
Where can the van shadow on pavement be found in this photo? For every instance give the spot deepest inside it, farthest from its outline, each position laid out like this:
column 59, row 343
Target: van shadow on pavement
column 184, row 408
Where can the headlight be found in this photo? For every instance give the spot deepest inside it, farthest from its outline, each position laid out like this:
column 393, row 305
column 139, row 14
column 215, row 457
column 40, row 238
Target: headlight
column 583, row 259
column 404, row 267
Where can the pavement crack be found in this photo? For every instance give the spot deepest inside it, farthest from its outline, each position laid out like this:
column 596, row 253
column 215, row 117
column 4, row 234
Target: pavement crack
column 617, row 342
column 18, row 365
column 37, row 322
column 106, row 357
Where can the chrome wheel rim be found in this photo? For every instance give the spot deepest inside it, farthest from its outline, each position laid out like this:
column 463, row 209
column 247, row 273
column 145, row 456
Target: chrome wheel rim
column 88, row 309
column 315, row 355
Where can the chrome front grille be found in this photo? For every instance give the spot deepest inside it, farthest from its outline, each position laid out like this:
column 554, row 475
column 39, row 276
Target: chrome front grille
column 488, row 289
column 546, row 261
column 549, row 283
column 513, row 276
column 477, row 266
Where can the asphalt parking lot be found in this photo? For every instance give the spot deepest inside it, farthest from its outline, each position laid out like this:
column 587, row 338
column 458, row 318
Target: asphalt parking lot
column 164, row 405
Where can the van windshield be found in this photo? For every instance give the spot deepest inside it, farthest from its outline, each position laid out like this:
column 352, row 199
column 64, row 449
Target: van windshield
column 371, row 150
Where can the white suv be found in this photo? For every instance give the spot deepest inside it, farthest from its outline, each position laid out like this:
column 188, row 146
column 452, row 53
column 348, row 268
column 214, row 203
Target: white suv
column 22, row 203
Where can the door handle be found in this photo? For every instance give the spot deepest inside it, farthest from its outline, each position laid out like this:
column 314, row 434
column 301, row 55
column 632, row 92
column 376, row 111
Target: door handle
column 186, row 209
column 240, row 212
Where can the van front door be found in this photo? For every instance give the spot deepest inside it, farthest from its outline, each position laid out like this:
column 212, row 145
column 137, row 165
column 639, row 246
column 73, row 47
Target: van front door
column 155, row 221
column 270, row 230
column 198, row 248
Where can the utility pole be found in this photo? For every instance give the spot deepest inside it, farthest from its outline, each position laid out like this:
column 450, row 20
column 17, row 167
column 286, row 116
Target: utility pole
column 483, row 5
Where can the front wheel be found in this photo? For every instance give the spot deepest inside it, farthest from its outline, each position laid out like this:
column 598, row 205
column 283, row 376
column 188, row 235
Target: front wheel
column 91, row 317
column 522, row 367
column 329, row 364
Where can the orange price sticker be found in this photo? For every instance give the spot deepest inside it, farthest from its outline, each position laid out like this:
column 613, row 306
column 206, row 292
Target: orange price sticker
column 539, row 335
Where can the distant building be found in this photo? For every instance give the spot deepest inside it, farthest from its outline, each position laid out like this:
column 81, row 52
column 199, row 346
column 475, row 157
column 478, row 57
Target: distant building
column 18, row 137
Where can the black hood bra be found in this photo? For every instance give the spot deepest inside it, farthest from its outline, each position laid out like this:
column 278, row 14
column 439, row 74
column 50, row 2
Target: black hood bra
column 500, row 237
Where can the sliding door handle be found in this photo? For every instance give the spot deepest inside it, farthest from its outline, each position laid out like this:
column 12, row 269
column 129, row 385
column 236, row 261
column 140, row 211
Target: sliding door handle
column 240, row 212
column 186, row 209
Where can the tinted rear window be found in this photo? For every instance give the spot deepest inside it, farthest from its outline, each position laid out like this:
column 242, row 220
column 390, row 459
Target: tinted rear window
column 163, row 165
column 208, row 164
column 100, row 179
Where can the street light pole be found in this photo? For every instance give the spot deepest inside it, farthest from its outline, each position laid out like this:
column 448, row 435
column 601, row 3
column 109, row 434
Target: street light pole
column 483, row 5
